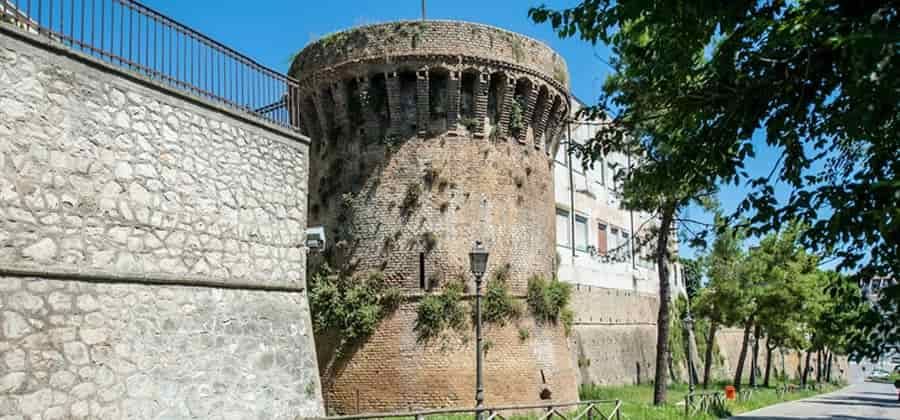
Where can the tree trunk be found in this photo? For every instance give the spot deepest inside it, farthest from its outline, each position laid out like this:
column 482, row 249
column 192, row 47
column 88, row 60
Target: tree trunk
column 819, row 366
column 754, row 358
column 692, row 356
column 828, row 369
column 707, row 363
column 805, row 374
column 768, row 364
column 739, row 372
column 662, row 319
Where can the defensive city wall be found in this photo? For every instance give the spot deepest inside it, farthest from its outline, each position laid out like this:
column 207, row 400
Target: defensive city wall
column 151, row 258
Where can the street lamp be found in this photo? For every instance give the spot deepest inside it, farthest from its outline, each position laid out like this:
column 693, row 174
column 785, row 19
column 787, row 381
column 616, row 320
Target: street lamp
column 477, row 264
column 688, row 326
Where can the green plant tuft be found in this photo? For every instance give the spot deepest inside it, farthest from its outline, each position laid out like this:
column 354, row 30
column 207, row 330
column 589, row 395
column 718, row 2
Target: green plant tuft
column 351, row 306
column 549, row 301
column 438, row 312
column 499, row 306
column 429, row 241
column 524, row 333
column 410, row 199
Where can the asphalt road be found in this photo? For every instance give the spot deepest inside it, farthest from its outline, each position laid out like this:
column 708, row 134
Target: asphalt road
column 870, row 401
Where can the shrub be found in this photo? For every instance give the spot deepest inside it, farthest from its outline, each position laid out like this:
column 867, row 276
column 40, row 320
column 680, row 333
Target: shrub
column 438, row 312
column 548, row 300
column 499, row 305
column 429, row 241
column 352, row 306
column 410, row 199
column 524, row 333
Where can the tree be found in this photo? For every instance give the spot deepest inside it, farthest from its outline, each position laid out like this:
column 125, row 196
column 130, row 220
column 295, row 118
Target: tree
column 714, row 302
column 815, row 80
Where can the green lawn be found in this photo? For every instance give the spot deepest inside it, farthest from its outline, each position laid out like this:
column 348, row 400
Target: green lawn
column 637, row 400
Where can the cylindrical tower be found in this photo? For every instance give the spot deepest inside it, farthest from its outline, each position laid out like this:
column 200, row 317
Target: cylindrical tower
column 428, row 136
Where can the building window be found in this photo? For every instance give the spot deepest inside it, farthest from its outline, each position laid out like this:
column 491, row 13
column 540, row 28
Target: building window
column 600, row 171
column 562, row 228
column 581, row 233
column 561, row 153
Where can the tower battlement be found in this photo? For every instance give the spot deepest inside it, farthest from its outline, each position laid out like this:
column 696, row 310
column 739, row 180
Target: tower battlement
column 431, row 77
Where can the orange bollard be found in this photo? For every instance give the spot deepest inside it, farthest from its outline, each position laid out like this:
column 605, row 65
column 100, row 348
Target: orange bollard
column 730, row 392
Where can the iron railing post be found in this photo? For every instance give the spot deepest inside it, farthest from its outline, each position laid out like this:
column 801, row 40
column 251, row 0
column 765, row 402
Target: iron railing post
column 196, row 63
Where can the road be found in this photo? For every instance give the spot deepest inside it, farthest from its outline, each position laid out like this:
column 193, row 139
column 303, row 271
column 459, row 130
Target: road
column 869, row 401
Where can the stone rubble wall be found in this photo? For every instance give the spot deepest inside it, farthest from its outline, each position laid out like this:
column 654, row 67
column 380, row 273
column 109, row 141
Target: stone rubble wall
column 614, row 337
column 151, row 250
column 729, row 342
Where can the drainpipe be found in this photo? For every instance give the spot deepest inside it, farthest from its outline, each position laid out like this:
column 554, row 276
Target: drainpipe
column 571, row 191
column 631, row 216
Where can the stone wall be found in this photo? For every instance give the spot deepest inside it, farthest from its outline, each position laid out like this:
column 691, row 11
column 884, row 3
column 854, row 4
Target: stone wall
column 614, row 340
column 729, row 342
column 151, row 249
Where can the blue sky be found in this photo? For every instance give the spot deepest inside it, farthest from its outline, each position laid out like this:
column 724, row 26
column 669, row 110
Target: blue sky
column 270, row 31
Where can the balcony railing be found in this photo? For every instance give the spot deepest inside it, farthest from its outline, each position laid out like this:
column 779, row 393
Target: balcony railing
column 128, row 34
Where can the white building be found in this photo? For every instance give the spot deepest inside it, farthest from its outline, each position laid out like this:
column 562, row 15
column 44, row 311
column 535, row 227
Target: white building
column 598, row 242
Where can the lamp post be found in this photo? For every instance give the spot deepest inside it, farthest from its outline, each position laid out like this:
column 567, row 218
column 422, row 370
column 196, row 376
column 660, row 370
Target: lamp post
column 688, row 326
column 477, row 264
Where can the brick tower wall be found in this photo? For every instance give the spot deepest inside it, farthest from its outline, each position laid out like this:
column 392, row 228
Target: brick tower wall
column 428, row 136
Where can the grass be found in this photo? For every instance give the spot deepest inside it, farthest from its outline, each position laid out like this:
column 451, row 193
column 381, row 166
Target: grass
column 637, row 400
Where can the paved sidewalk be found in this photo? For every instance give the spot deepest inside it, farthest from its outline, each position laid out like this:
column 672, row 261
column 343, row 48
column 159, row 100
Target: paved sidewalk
column 869, row 401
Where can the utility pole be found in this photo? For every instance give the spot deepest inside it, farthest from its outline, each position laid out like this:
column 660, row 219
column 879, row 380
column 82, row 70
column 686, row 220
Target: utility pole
column 423, row 10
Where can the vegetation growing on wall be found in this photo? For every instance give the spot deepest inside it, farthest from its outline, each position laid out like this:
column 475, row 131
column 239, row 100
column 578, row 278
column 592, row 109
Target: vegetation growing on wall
column 429, row 241
column 350, row 305
column 559, row 73
column 410, row 199
column 549, row 301
column 469, row 123
column 516, row 117
column 499, row 306
column 439, row 312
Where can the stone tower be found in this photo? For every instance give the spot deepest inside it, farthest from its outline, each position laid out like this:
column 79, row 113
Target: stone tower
column 428, row 136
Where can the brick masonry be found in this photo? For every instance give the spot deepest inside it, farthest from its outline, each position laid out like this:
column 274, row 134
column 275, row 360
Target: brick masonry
column 151, row 259
column 424, row 185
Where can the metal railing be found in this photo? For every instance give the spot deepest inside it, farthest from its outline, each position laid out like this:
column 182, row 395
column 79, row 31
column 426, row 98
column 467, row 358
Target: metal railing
column 704, row 402
column 582, row 410
column 128, row 34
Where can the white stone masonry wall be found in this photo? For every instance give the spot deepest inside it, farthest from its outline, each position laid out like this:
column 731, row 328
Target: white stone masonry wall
column 151, row 257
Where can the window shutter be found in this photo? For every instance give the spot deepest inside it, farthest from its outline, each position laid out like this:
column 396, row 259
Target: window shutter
column 601, row 239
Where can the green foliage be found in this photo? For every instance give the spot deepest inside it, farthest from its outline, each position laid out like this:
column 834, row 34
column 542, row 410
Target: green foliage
column 429, row 241
column 413, row 31
column 351, row 306
column 559, row 73
column 636, row 400
column 498, row 305
column 549, row 301
column 410, row 199
column 815, row 81
column 516, row 115
column 439, row 312
column 469, row 122
column 524, row 334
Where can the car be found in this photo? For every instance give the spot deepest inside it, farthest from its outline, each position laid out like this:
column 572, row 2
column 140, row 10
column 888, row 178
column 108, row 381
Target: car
column 880, row 374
